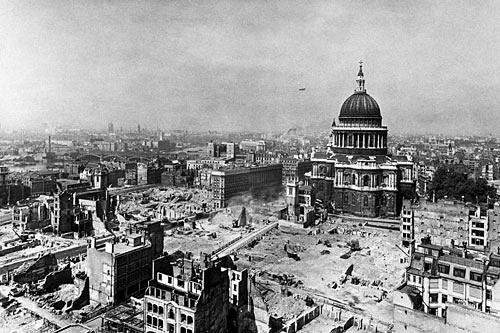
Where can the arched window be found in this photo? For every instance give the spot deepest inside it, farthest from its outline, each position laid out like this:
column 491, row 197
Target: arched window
column 347, row 178
column 366, row 180
column 365, row 200
column 171, row 314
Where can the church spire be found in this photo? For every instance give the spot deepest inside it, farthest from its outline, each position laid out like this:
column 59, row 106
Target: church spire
column 361, row 79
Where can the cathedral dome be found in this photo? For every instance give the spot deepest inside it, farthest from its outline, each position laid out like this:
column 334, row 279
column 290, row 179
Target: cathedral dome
column 360, row 105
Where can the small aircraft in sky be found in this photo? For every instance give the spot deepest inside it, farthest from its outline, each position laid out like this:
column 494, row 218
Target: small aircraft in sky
column 302, row 89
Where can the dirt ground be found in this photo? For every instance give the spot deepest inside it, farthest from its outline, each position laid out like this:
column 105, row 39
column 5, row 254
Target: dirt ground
column 200, row 239
column 15, row 319
column 378, row 259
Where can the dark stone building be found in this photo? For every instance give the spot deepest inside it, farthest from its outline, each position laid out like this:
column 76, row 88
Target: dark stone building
column 261, row 181
column 355, row 175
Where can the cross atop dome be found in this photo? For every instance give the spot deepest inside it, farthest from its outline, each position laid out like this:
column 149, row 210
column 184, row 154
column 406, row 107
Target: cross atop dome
column 361, row 79
column 360, row 73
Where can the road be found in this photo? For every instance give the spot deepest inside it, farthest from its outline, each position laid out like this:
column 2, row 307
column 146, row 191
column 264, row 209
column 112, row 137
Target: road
column 9, row 266
column 247, row 239
column 124, row 190
column 5, row 219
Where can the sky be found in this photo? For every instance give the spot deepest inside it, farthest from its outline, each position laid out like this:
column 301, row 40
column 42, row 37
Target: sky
column 432, row 66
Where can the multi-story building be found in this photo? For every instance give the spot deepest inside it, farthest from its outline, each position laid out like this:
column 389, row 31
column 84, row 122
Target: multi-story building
column 253, row 146
column 449, row 223
column 39, row 184
column 355, row 175
column 261, row 180
column 188, row 295
column 34, row 215
column 71, row 216
column 131, row 173
column 300, row 201
column 445, row 282
column 294, row 168
column 121, row 269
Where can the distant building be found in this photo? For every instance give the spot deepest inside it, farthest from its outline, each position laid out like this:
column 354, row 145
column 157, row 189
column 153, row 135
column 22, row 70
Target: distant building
column 34, row 215
column 71, row 214
column 39, row 184
column 255, row 180
column 176, row 174
column 142, row 174
column 253, row 146
column 226, row 150
column 295, row 169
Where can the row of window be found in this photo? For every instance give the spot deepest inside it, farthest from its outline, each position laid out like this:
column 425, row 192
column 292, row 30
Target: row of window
column 434, row 298
column 165, row 295
column 459, row 272
column 158, row 309
column 158, row 323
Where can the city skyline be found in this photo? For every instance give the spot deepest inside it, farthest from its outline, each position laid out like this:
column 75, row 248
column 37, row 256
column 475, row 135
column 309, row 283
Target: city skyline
column 242, row 65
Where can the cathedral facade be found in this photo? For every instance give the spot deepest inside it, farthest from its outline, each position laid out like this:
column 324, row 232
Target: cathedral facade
column 354, row 174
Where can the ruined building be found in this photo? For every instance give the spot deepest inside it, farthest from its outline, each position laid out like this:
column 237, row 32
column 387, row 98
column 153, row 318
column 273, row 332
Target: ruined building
column 449, row 223
column 188, row 295
column 76, row 210
column 121, row 268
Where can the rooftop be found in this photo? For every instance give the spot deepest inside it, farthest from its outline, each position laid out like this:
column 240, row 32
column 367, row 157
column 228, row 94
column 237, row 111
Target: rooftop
column 126, row 314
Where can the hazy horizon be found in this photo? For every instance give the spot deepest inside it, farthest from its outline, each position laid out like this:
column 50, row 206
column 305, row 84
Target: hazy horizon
column 239, row 65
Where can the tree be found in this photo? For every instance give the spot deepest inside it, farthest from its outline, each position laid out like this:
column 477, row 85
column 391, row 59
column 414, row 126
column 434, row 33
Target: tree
column 453, row 181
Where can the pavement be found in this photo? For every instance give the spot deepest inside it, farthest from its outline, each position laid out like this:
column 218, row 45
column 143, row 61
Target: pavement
column 226, row 250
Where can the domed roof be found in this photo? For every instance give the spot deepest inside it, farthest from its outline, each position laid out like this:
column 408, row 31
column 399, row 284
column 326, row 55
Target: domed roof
column 360, row 105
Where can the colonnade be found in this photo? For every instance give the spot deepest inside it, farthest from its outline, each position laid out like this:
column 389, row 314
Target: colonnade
column 360, row 140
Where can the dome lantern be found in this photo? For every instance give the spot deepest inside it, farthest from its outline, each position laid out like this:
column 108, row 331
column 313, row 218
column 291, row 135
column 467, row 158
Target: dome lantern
column 361, row 79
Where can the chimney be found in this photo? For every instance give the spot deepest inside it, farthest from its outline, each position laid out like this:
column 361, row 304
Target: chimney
column 110, row 247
